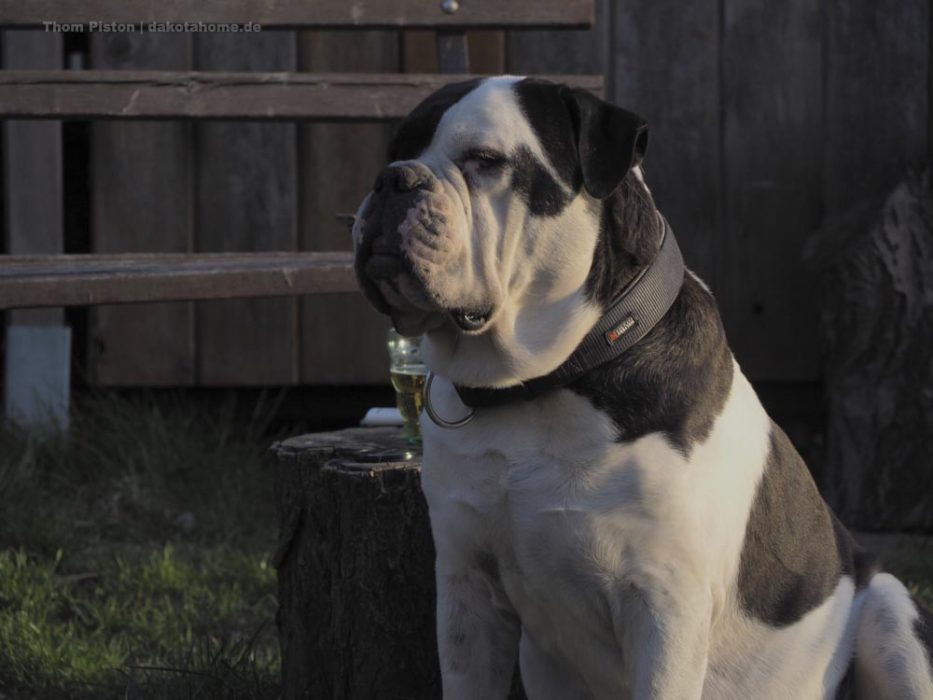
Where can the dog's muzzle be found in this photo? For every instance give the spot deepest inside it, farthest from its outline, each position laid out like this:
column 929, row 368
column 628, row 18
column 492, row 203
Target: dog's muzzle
column 404, row 245
column 385, row 271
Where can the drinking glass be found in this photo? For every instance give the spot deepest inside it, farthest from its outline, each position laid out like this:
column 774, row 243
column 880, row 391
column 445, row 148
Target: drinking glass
column 408, row 374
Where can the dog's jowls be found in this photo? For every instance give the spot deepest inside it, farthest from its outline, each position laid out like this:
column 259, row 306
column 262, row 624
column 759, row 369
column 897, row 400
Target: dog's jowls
column 645, row 531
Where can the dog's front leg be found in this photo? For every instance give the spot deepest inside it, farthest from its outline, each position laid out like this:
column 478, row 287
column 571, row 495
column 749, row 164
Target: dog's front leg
column 666, row 636
column 477, row 634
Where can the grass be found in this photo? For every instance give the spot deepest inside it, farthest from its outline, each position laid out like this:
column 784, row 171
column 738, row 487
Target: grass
column 133, row 555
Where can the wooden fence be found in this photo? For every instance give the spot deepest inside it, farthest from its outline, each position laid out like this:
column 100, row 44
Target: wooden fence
column 765, row 118
column 182, row 187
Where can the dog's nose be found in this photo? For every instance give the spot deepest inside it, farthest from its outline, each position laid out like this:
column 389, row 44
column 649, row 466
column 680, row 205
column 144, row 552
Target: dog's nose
column 400, row 178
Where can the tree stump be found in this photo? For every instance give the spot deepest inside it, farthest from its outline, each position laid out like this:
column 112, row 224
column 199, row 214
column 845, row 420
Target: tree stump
column 877, row 328
column 355, row 568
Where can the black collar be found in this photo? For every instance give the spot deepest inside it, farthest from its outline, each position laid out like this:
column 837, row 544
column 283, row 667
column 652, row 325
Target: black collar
column 636, row 310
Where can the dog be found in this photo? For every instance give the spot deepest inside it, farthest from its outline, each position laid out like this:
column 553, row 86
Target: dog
column 612, row 508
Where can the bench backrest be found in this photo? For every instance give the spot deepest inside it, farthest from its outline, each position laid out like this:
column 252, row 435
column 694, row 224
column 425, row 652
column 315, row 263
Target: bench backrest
column 130, row 94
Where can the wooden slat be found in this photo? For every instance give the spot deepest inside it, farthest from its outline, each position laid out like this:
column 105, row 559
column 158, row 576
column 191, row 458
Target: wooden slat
column 560, row 51
column 141, row 202
column 37, row 362
column 487, row 51
column 134, row 94
column 78, row 280
column 329, row 14
column 453, row 54
column 247, row 201
column 665, row 66
column 485, row 47
column 419, row 51
column 342, row 337
column 32, row 169
column 772, row 111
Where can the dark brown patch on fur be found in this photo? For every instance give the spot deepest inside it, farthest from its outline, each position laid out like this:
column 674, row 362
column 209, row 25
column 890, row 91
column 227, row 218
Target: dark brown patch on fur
column 677, row 378
column 545, row 109
column 629, row 237
column 535, row 185
column 795, row 550
column 674, row 381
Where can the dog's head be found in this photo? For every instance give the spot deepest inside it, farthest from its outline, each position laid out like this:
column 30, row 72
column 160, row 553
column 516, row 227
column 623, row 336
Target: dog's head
column 484, row 231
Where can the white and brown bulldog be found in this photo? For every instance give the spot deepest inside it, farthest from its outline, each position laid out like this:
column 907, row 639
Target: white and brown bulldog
column 610, row 502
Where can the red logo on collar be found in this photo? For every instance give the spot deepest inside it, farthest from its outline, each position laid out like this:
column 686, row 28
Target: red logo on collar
column 614, row 334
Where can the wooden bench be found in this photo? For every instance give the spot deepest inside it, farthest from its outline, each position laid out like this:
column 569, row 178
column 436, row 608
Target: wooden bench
column 52, row 281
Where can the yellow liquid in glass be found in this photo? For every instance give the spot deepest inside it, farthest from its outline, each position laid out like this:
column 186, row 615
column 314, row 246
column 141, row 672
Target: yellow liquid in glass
column 409, row 397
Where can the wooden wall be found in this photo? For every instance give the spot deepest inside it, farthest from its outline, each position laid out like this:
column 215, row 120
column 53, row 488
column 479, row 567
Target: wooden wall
column 765, row 118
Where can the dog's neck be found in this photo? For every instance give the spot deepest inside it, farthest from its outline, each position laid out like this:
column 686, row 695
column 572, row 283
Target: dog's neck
column 676, row 379
column 534, row 337
column 673, row 392
column 637, row 308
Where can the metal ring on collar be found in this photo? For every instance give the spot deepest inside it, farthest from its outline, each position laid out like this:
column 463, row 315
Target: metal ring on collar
column 436, row 419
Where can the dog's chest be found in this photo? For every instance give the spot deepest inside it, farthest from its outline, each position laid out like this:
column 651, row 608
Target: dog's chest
column 569, row 519
column 575, row 526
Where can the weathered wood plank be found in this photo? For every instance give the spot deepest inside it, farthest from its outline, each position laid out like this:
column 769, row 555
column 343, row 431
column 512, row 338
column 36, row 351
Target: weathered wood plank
column 32, row 168
column 330, row 14
column 247, row 202
column 877, row 96
column 485, row 47
column 453, row 53
column 419, row 51
column 772, row 112
column 134, row 94
column 37, row 367
column 561, row 51
column 665, row 66
column 342, row 337
column 141, row 177
column 77, row 280
column 487, row 51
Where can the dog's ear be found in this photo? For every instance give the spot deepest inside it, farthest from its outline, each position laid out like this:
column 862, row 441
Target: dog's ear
column 610, row 140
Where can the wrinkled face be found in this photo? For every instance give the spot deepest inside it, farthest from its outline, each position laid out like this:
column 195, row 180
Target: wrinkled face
column 481, row 231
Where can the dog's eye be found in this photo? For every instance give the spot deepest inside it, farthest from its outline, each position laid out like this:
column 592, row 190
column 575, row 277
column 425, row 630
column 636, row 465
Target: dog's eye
column 485, row 159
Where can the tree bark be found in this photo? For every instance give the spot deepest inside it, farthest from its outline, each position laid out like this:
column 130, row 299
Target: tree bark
column 356, row 568
column 877, row 328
